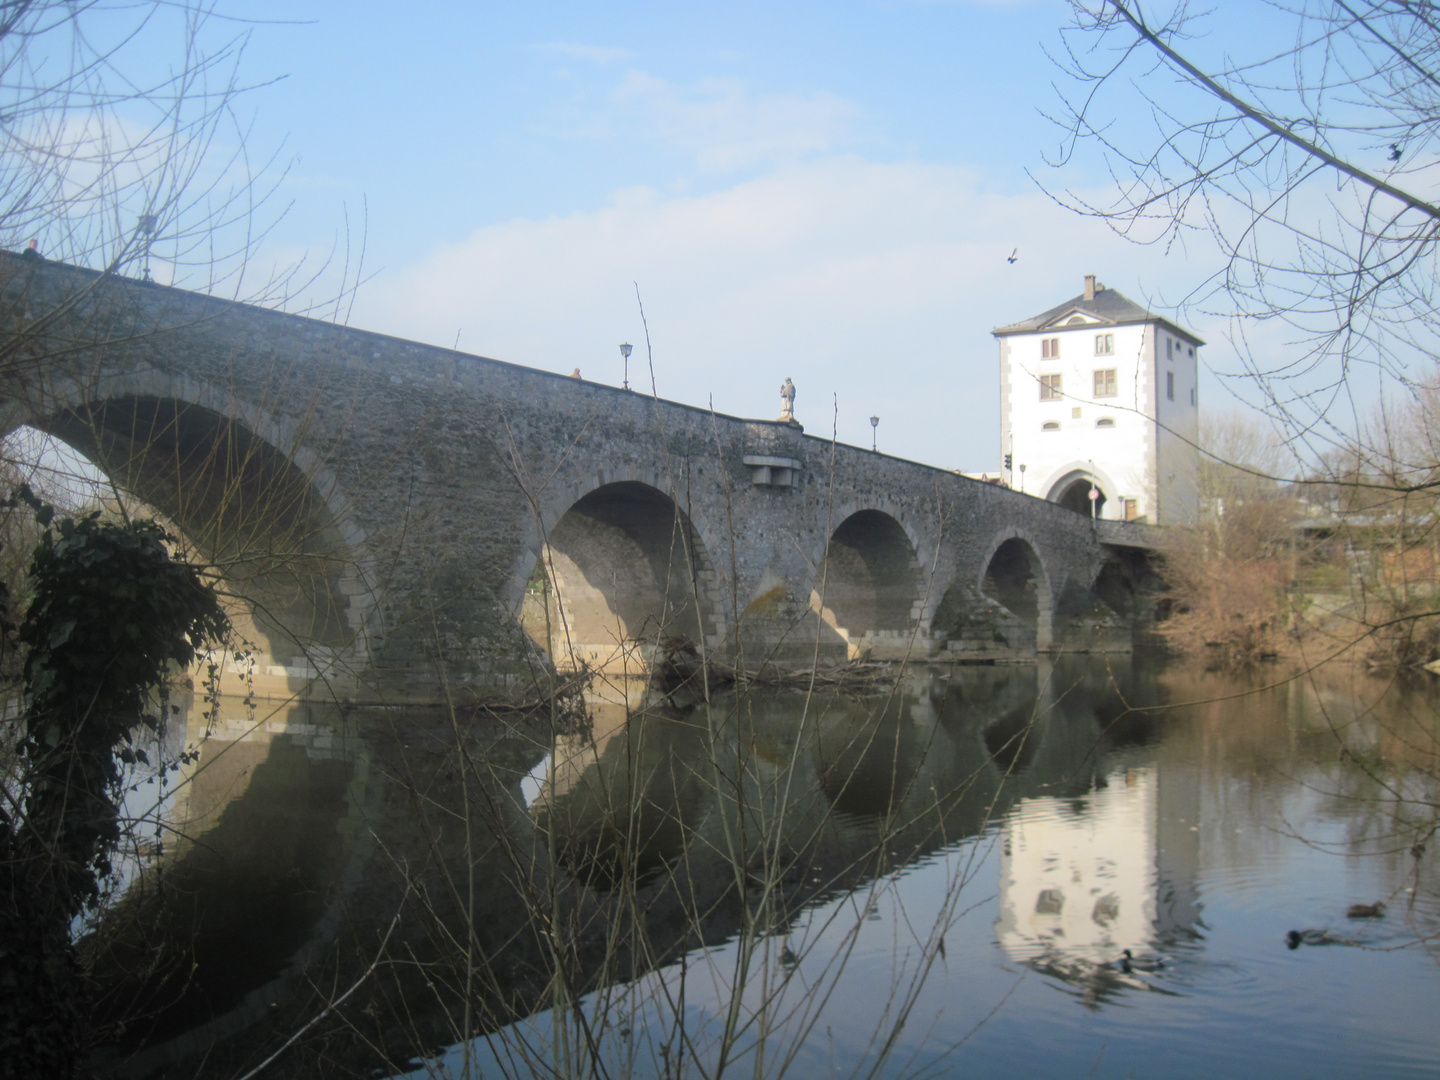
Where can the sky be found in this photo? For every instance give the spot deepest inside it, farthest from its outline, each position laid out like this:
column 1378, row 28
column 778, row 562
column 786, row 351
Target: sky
column 827, row 192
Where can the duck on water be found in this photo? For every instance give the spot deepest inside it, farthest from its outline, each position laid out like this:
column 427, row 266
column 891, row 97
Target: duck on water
column 1130, row 963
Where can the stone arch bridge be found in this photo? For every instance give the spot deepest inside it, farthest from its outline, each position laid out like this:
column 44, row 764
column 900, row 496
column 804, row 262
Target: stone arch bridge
column 394, row 516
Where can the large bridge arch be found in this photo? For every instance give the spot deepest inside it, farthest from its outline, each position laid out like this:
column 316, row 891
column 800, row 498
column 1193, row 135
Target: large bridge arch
column 558, row 498
column 623, row 570
column 871, row 583
column 235, row 484
column 1000, row 597
column 1014, row 575
column 1127, row 583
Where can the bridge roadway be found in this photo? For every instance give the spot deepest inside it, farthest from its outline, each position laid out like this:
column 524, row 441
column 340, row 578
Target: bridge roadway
column 382, row 506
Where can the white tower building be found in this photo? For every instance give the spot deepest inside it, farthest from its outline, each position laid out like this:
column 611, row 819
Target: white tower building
column 1099, row 394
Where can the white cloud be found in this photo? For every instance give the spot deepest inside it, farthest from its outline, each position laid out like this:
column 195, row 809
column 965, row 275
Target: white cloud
column 878, row 283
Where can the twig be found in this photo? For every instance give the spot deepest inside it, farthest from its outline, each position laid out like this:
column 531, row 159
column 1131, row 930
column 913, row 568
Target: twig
column 334, row 1004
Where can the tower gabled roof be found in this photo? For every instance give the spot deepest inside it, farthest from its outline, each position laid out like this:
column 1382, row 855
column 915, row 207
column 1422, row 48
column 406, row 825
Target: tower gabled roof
column 1108, row 306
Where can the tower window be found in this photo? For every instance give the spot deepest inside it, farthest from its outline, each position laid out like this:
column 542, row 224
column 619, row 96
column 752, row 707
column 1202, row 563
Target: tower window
column 1170, row 385
column 1192, row 396
column 1050, row 348
column 1104, row 344
column 1105, row 382
column 1105, row 421
column 1050, row 388
column 1050, row 425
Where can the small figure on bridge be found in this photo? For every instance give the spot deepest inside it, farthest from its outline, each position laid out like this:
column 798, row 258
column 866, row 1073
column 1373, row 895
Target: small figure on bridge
column 32, row 252
column 787, row 395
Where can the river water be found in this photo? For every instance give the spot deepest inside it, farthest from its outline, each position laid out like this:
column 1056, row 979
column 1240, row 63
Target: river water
column 917, row 880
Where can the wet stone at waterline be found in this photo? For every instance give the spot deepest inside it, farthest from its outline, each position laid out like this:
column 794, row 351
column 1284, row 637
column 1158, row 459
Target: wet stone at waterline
column 1011, row 870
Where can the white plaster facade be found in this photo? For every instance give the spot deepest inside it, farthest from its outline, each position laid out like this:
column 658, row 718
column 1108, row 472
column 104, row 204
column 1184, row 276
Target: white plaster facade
column 1098, row 391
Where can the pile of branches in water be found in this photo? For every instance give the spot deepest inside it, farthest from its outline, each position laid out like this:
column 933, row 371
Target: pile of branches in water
column 679, row 664
column 856, row 676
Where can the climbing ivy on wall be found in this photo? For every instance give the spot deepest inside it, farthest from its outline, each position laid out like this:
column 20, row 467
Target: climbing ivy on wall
column 110, row 612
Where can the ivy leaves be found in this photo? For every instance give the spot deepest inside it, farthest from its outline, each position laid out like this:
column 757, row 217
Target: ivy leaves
column 111, row 613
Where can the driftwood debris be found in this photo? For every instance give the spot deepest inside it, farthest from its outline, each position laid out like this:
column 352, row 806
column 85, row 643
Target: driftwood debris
column 855, row 676
column 680, row 664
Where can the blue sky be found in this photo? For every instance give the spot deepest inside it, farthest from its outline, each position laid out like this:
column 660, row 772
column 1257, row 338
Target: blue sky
column 821, row 191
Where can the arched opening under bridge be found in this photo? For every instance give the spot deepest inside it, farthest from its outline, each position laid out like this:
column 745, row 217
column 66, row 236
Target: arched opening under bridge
column 623, row 573
column 241, row 505
column 1129, row 585
column 1114, row 588
column 1015, row 579
column 872, row 583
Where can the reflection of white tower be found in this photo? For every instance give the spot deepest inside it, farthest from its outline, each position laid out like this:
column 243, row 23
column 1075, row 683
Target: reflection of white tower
column 1081, row 881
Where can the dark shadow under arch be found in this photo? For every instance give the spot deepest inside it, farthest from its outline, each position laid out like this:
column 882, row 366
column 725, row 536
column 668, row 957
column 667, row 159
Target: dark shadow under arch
column 1014, row 579
column 872, row 577
column 1114, row 588
column 1129, row 584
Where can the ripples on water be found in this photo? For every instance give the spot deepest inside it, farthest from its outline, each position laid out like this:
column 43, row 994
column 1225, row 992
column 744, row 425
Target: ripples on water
column 938, row 880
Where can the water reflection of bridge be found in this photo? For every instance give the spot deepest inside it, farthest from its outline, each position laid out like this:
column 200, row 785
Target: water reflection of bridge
column 650, row 811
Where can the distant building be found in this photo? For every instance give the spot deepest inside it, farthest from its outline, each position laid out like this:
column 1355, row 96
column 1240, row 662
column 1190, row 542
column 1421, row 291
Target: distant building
column 1099, row 393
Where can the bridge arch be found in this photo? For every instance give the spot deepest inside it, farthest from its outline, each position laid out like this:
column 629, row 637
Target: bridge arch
column 1126, row 582
column 1114, row 587
column 872, row 582
column 250, row 498
column 1014, row 576
column 622, row 572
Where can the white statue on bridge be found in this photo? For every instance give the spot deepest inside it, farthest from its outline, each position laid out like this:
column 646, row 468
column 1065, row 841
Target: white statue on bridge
column 787, row 395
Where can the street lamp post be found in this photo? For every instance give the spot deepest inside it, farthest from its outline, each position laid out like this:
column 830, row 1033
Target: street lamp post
column 1022, row 478
column 625, row 351
column 146, row 229
column 874, row 432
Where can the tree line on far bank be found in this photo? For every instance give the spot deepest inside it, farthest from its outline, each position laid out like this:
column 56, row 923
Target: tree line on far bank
column 1340, row 561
